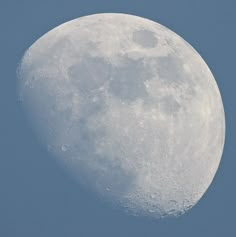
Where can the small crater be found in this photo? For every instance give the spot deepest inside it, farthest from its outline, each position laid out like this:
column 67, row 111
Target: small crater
column 145, row 38
column 64, row 148
column 173, row 202
column 152, row 210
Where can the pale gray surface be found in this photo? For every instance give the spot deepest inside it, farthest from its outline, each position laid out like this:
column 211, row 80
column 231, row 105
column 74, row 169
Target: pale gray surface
column 37, row 197
column 130, row 107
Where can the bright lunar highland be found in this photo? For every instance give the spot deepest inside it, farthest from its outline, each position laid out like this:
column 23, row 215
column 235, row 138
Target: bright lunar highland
column 129, row 108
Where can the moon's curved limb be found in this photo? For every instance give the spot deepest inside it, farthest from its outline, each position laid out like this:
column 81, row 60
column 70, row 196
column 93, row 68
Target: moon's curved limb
column 130, row 107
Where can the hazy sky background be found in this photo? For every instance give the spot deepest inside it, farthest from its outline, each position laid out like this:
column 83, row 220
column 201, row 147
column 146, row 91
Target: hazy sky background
column 37, row 197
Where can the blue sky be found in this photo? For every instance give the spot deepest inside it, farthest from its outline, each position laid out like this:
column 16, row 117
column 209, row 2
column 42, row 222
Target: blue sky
column 37, row 197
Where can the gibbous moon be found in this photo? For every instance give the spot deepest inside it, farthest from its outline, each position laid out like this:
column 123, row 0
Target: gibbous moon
column 129, row 108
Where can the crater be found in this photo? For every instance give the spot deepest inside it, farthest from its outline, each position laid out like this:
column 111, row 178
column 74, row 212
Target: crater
column 145, row 38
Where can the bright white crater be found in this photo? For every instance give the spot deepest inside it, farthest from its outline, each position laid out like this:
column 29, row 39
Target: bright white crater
column 129, row 107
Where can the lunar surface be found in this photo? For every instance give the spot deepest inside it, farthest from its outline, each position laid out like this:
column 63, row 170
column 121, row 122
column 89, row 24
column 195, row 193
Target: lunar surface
column 129, row 108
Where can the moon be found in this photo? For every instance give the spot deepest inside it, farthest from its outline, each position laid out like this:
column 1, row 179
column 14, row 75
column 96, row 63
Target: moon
column 129, row 108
